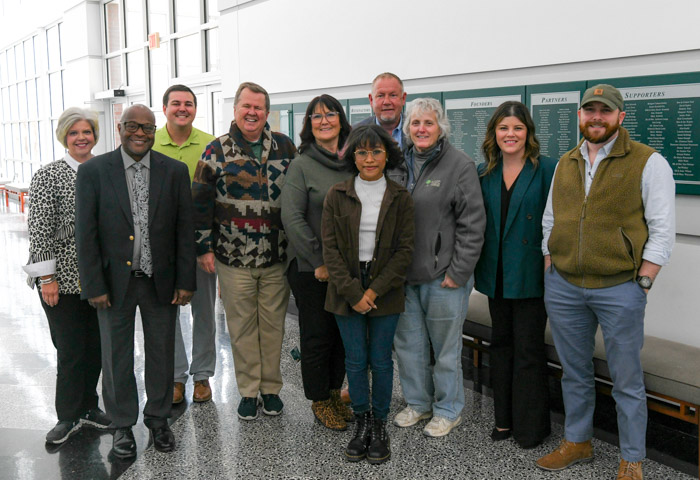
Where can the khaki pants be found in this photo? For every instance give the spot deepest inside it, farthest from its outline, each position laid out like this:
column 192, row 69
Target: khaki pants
column 255, row 300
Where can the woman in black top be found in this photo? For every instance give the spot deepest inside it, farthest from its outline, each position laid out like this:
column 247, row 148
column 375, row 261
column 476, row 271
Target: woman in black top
column 515, row 182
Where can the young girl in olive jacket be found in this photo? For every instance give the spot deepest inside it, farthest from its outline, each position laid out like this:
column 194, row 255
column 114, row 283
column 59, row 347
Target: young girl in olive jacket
column 367, row 229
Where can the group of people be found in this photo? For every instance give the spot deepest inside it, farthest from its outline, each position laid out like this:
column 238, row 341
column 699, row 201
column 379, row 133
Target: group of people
column 381, row 230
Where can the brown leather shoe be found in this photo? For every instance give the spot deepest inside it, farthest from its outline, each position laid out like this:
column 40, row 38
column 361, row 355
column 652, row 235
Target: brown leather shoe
column 178, row 392
column 202, row 391
column 629, row 470
column 566, row 454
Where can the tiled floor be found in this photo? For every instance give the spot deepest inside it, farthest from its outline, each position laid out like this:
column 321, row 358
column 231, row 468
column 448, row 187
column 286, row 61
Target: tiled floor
column 212, row 442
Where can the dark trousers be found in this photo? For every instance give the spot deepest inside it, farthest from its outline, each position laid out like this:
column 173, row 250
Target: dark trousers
column 322, row 352
column 119, row 390
column 75, row 333
column 519, row 368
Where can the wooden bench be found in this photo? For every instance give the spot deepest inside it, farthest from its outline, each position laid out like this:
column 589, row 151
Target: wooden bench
column 19, row 190
column 671, row 369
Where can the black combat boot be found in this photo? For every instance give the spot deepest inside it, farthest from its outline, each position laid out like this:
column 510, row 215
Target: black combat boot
column 357, row 448
column 379, row 450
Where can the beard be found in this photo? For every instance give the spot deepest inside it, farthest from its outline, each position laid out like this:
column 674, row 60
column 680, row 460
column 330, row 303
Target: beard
column 610, row 130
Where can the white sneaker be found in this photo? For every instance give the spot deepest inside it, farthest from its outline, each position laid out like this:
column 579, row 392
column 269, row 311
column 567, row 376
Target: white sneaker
column 440, row 426
column 408, row 417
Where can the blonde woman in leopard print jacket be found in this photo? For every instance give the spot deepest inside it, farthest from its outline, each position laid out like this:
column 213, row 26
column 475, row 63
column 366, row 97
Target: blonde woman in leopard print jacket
column 53, row 266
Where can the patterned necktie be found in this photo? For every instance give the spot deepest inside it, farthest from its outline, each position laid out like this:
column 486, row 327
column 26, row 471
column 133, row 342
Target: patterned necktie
column 141, row 218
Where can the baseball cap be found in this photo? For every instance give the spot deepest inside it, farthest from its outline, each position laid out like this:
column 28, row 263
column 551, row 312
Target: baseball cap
column 604, row 93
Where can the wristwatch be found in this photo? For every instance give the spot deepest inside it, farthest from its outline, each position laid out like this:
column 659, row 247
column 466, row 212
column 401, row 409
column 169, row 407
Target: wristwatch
column 644, row 281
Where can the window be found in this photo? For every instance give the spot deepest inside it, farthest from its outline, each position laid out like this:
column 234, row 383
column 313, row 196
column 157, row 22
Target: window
column 158, row 16
column 3, row 68
column 53, row 42
column 188, row 55
column 32, row 103
column 56, row 93
column 11, row 67
column 114, row 72
column 133, row 20
column 22, row 98
column 160, row 76
column 19, row 61
column 213, row 50
column 187, row 15
column 112, row 26
column 135, row 71
column 29, row 63
column 210, row 10
column 34, row 153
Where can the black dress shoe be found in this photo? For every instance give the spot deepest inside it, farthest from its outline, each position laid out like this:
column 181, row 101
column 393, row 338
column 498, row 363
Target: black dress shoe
column 498, row 435
column 163, row 438
column 123, row 443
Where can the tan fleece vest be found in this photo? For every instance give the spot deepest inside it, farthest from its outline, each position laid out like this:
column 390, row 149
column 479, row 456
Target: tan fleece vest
column 597, row 241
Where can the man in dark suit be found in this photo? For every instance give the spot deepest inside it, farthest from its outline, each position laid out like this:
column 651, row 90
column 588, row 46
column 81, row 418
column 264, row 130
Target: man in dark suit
column 135, row 241
column 387, row 100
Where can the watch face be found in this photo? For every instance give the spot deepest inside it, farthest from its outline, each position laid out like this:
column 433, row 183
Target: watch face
column 644, row 282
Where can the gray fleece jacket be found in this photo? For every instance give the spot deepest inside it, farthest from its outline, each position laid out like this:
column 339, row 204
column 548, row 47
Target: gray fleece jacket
column 308, row 179
column 449, row 215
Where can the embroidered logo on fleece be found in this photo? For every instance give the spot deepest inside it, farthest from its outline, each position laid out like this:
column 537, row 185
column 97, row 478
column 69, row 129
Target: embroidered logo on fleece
column 432, row 183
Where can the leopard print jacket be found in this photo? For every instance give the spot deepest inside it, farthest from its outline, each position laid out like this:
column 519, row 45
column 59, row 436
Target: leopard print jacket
column 52, row 223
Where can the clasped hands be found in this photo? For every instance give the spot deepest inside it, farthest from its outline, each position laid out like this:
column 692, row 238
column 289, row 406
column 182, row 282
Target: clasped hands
column 366, row 303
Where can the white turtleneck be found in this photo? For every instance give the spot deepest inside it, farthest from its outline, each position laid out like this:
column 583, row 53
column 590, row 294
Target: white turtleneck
column 370, row 195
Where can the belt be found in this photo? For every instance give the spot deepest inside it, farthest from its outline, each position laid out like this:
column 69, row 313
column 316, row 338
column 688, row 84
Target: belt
column 139, row 273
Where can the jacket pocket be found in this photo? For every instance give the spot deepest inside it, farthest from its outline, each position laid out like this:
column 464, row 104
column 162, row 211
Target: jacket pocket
column 436, row 248
column 629, row 247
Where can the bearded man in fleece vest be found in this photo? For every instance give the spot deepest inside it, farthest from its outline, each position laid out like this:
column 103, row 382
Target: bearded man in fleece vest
column 609, row 227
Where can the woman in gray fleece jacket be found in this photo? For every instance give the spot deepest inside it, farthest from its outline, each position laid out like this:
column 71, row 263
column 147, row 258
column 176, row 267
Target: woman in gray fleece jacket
column 309, row 178
column 450, row 222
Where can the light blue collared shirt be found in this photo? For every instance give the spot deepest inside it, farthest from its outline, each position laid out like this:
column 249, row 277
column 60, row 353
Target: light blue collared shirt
column 658, row 196
column 395, row 133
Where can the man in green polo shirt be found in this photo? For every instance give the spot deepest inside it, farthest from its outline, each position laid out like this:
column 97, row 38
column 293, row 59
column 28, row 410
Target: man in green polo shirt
column 180, row 140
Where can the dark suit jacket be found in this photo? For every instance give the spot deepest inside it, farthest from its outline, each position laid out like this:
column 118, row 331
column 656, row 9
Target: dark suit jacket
column 523, row 263
column 105, row 227
column 373, row 121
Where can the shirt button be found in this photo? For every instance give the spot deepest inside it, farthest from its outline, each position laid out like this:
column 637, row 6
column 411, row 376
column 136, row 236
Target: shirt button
column 529, row 217
column 525, row 241
column 131, row 237
column 128, row 263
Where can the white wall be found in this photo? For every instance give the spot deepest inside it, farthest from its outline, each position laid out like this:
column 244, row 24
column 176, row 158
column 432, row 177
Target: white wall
column 298, row 49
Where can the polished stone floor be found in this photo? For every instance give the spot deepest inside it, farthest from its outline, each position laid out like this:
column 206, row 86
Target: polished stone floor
column 212, row 442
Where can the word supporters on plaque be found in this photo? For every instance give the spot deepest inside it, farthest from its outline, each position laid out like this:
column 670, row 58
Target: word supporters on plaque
column 666, row 118
column 556, row 121
column 468, row 119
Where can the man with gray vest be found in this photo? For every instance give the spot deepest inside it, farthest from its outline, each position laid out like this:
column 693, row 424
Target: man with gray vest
column 609, row 227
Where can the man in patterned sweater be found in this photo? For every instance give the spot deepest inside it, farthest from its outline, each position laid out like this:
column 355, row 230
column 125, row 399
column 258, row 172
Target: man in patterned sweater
column 236, row 195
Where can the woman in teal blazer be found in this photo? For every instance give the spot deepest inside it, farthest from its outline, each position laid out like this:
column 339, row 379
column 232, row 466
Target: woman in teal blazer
column 515, row 182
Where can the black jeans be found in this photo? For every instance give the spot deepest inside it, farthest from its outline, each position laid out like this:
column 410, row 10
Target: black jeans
column 519, row 368
column 322, row 352
column 75, row 332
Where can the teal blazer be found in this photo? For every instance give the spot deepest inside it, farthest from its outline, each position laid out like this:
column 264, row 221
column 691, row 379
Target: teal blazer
column 523, row 263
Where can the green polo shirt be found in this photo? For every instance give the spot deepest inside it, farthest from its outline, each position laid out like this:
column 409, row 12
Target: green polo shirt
column 189, row 152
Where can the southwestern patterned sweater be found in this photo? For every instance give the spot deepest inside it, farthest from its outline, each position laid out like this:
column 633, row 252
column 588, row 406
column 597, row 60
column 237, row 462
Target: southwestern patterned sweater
column 237, row 199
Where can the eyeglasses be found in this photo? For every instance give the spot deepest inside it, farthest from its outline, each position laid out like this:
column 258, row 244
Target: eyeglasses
column 330, row 116
column 133, row 127
column 377, row 153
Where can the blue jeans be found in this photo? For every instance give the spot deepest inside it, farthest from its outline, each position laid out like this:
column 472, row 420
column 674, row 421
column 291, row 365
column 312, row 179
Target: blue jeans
column 434, row 315
column 574, row 316
column 369, row 339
